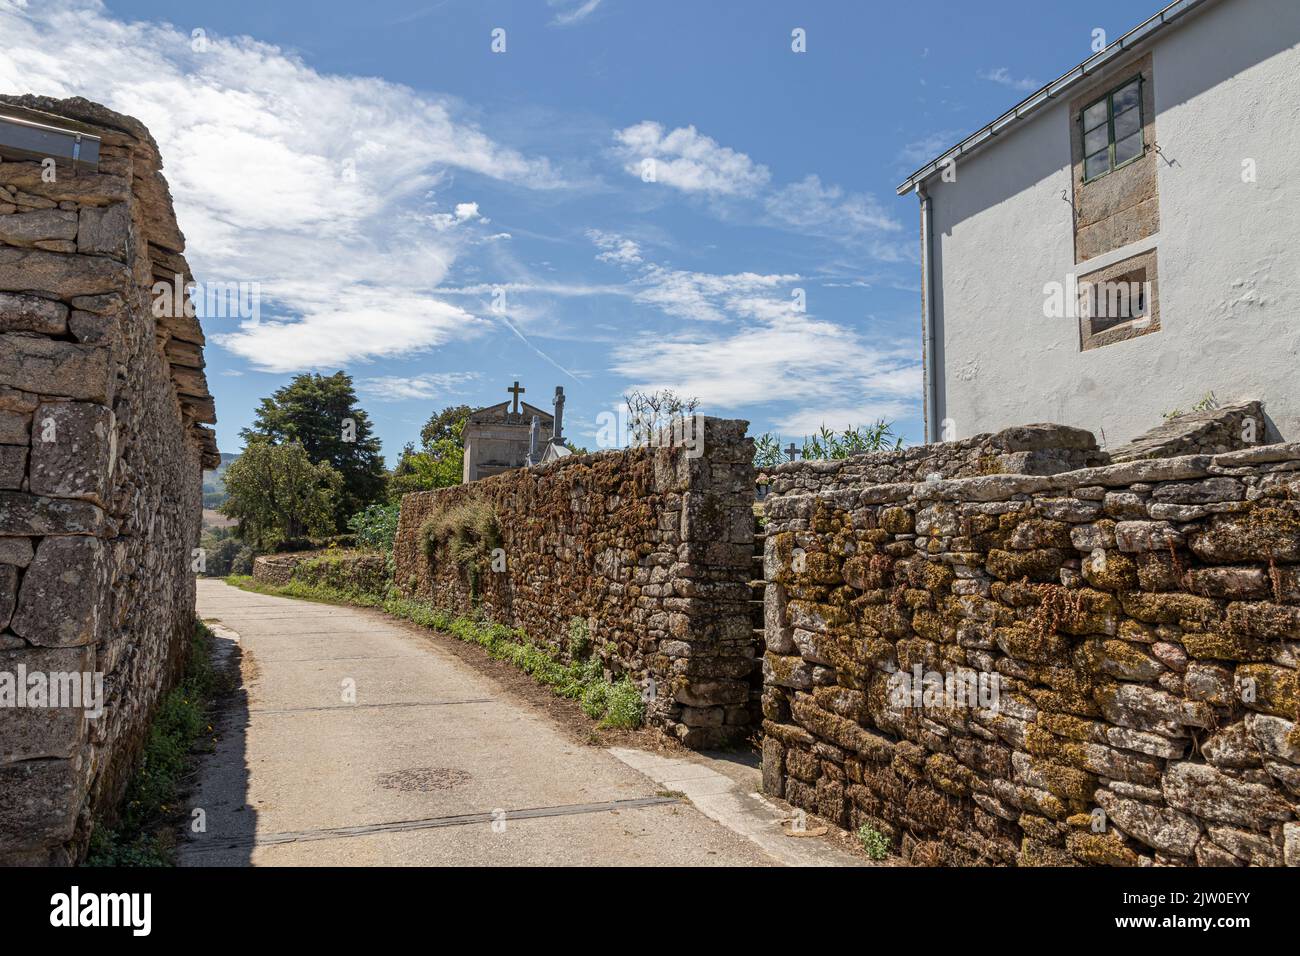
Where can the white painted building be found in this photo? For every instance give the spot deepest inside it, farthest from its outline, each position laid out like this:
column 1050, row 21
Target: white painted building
column 1168, row 164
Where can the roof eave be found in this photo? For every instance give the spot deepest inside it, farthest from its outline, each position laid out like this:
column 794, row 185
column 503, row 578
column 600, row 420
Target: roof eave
column 1142, row 33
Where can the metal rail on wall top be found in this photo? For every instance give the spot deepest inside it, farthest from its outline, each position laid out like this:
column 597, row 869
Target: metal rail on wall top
column 23, row 139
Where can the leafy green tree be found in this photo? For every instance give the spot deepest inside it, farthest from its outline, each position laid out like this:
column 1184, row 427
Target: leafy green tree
column 439, row 462
column 276, row 492
column 447, row 423
column 320, row 413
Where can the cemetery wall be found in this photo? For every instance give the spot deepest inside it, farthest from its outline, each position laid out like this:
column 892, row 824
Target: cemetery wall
column 651, row 547
column 101, row 446
column 1127, row 638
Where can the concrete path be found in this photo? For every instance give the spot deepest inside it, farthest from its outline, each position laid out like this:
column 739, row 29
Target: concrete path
column 354, row 741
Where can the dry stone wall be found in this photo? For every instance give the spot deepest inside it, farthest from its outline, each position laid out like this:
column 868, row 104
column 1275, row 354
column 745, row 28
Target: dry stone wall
column 102, row 440
column 1094, row 667
column 653, row 547
column 1208, row 432
column 1040, row 449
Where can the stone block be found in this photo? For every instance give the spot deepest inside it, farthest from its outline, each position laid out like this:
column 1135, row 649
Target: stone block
column 42, row 799
column 1158, row 827
column 50, row 367
column 62, row 598
column 23, row 514
column 1209, row 794
column 74, row 449
column 773, row 767
column 57, row 689
column 8, row 594
column 16, row 551
column 13, row 467
column 105, row 230
column 32, row 227
column 62, row 276
column 29, row 313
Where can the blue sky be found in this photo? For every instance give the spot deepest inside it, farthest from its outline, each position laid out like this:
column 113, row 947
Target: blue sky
column 439, row 220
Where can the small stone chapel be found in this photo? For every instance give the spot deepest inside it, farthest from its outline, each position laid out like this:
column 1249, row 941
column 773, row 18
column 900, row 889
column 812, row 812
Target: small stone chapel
column 512, row 434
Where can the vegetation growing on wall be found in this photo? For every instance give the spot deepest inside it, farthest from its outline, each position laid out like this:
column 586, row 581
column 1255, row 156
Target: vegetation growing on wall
column 466, row 535
column 144, row 834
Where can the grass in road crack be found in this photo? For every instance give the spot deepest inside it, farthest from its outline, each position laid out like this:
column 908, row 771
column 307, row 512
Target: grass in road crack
column 617, row 705
column 144, row 833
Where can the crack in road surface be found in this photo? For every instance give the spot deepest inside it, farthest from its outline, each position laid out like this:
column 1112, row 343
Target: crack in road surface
column 433, row 823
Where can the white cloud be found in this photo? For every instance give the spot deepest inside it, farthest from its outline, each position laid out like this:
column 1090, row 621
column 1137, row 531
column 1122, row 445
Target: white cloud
column 1002, row 76
column 700, row 296
column 814, row 208
column 923, row 150
column 306, row 183
column 575, row 13
column 827, row 370
column 617, row 249
column 397, row 388
column 688, row 160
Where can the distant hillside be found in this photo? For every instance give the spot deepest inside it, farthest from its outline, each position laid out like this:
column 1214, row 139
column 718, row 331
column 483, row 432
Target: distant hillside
column 214, row 482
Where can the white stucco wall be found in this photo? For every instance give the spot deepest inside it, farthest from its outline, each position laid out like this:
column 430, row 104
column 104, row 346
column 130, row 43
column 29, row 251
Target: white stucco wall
column 1227, row 88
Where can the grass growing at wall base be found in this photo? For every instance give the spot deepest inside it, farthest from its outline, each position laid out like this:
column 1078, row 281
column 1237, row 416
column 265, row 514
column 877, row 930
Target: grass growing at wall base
column 144, row 834
column 616, row 705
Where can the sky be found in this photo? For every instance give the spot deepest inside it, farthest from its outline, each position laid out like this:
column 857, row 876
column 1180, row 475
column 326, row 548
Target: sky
column 441, row 198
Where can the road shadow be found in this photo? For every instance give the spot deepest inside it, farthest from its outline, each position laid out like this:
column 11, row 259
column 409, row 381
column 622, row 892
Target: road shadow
column 221, row 825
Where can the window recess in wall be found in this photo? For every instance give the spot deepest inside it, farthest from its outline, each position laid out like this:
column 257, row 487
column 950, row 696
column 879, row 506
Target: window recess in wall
column 1112, row 130
column 1119, row 302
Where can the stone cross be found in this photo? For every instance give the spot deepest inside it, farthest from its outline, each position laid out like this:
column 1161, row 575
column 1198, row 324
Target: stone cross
column 557, row 429
column 791, row 451
column 516, row 391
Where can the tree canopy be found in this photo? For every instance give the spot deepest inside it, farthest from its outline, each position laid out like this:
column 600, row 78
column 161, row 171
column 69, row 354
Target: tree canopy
column 440, row 461
column 276, row 492
column 320, row 413
column 444, row 424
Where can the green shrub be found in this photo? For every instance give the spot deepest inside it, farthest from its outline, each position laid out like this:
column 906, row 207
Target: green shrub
column 242, row 562
column 625, row 707
column 221, row 555
column 595, row 699
column 375, row 527
column 579, row 638
column 873, row 841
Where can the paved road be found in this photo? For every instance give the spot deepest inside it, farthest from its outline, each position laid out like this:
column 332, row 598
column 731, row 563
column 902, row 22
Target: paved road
column 416, row 766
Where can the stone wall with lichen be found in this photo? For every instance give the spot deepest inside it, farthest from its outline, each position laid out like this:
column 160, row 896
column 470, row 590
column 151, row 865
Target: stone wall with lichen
column 651, row 546
column 102, row 439
column 1095, row 667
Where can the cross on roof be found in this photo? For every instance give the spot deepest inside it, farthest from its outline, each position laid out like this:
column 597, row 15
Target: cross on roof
column 516, row 390
column 791, row 450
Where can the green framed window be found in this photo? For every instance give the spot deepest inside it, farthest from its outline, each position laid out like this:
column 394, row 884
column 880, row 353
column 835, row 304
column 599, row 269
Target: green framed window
column 1112, row 130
